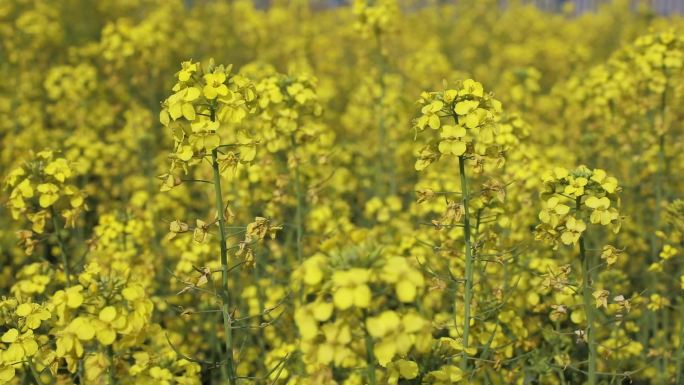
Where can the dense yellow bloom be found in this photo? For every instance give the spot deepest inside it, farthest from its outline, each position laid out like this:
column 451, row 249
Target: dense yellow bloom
column 33, row 314
column 401, row 369
column 448, row 374
column 286, row 245
column 377, row 16
column 408, row 280
column 470, row 127
column 350, row 288
column 395, row 334
column 580, row 190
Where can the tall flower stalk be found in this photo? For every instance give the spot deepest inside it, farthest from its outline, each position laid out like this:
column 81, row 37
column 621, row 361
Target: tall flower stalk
column 225, row 290
column 468, row 262
column 590, row 333
column 203, row 115
column 472, row 138
column 570, row 198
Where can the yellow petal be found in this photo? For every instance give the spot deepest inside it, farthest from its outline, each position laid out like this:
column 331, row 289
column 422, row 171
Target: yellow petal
column 10, row 336
column 6, row 373
column 164, row 117
column 248, row 153
column 465, row 107
column 407, row 369
column 384, row 351
column 185, row 153
column 24, row 309
column 46, row 200
column 406, row 291
column 308, row 328
column 74, row 299
column 133, row 293
column 176, row 111
column 107, row 314
column 322, row 311
column 343, row 298
column 592, row 202
column 210, row 92
column 458, row 148
column 106, row 336
column 325, row 354
column 191, row 94
column 362, row 296
column 30, row 346
column 188, row 111
column 433, row 122
column 84, row 330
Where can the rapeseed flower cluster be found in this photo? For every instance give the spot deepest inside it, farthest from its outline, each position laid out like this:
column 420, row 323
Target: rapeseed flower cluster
column 295, row 217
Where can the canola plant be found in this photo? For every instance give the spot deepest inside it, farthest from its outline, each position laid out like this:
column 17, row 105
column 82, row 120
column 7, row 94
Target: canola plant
column 387, row 192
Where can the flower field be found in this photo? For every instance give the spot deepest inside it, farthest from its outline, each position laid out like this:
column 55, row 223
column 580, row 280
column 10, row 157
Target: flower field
column 385, row 192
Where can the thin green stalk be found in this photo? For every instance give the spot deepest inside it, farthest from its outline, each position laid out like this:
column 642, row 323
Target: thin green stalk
column 216, row 352
column 299, row 222
column 34, row 373
column 370, row 359
column 81, row 372
column 663, row 341
column 588, row 307
column 556, row 351
column 111, row 379
column 225, row 292
column 262, row 305
column 381, row 169
column 679, row 357
column 468, row 261
column 62, row 251
column 660, row 177
column 299, row 229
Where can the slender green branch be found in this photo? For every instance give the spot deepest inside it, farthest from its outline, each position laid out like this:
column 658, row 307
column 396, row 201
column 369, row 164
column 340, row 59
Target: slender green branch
column 468, row 261
column 299, row 230
column 679, row 357
column 299, row 222
column 111, row 378
column 660, row 177
column 370, row 359
column 381, row 168
column 225, row 292
column 34, row 372
column 62, row 251
column 588, row 306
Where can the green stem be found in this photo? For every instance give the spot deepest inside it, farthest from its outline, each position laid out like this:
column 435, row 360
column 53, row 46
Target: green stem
column 225, row 293
column 262, row 305
column 663, row 341
column 216, row 352
column 588, row 307
column 300, row 206
column 81, row 373
column 62, row 251
column 556, row 351
column 381, row 168
column 299, row 229
column 655, row 247
column 679, row 357
column 34, row 372
column 370, row 359
column 110, row 371
column 468, row 261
